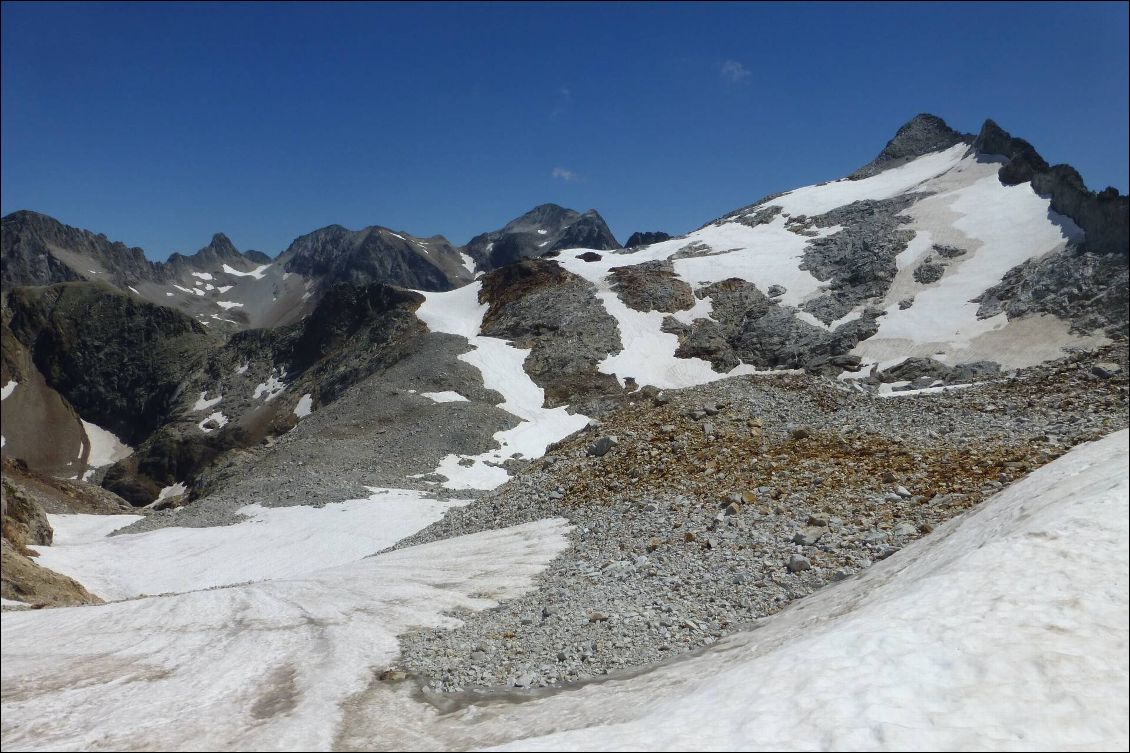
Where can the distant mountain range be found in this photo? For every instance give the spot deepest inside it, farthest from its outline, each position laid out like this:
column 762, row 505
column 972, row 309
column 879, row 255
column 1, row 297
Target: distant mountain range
column 948, row 256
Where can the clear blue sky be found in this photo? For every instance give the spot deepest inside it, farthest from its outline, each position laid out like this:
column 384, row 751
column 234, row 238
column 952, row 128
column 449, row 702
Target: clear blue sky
column 161, row 124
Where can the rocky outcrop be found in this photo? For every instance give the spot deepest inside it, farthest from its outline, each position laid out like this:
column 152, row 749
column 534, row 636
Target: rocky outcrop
column 652, row 286
column 858, row 262
column 1087, row 289
column 646, row 238
column 923, row 134
column 24, row 525
column 537, row 304
column 542, row 230
column 748, row 327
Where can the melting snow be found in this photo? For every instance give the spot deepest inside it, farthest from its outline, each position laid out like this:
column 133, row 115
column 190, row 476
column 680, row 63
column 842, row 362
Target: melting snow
column 243, row 369
column 257, row 273
column 214, row 421
column 225, row 288
column 105, row 447
column 447, row 396
column 202, row 275
column 173, row 490
column 131, row 287
column 305, row 405
column 271, row 388
column 202, row 403
column 225, row 305
column 8, row 389
column 305, row 642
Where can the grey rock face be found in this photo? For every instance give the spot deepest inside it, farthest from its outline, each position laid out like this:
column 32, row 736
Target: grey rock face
column 376, row 254
column 748, row 327
column 924, row 134
column 1087, row 289
column 542, row 230
column 859, row 261
column 646, row 238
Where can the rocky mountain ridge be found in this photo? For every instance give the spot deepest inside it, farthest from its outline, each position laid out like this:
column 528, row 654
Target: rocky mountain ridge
column 869, row 280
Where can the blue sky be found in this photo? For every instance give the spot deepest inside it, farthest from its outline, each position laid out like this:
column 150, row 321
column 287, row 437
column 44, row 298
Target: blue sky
column 161, row 124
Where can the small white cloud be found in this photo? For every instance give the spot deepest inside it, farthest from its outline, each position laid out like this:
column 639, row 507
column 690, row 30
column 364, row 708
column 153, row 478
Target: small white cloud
column 734, row 71
column 563, row 103
column 563, row 174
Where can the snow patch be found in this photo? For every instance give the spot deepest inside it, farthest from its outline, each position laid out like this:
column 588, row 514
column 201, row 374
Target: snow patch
column 468, row 262
column 7, row 390
column 305, row 405
column 105, row 447
column 214, row 421
column 202, row 275
column 225, row 305
column 271, row 388
column 173, row 490
column 459, row 312
column 447, row 396
column 305, row 644
column 203, row 403
column 257, row 273
column 262, row 548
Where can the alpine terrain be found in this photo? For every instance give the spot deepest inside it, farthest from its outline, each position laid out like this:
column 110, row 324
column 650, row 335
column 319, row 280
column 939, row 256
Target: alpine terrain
column 842, row 468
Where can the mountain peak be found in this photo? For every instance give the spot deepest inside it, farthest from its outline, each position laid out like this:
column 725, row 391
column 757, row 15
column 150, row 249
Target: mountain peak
column 922, row 134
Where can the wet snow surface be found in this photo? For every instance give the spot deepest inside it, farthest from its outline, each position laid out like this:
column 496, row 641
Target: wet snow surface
column 1004, row 629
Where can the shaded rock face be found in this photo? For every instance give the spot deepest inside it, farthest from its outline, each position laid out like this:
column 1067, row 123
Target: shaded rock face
column 40, row 250
column 1103, row 216
column 646, row 238
column 36, row 248
column 652, row 286
column 536, row 304
column 542, row 230
column 748, row 327
column 923, row 134
column 858, row 263
column 375, row 254
column 118, row 360
column 354, row 332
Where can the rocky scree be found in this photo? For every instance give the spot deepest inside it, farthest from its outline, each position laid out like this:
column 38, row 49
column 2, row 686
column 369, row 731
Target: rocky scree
column 721, row 504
